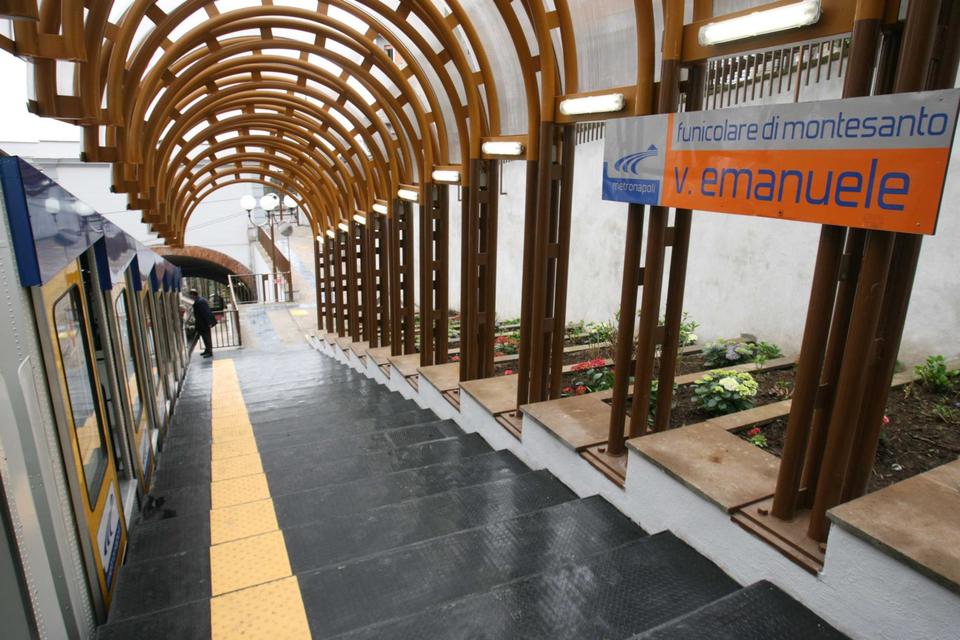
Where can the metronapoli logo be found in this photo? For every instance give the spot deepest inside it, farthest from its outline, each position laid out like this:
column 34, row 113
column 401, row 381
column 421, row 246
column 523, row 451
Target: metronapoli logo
column 630, row 162
column 627, row 178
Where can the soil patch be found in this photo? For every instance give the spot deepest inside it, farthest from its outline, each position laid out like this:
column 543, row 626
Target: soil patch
column 923, row 433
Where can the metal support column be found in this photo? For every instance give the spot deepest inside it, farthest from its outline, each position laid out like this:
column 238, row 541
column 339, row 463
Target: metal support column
column 479, row 276
column 434, row 274
column 547, row 236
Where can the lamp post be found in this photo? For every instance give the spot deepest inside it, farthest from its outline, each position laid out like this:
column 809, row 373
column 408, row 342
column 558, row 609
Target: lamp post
column 269, row 203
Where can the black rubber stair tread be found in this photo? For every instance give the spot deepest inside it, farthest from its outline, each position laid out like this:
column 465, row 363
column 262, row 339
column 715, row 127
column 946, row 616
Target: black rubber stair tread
column 409, row 522
column 171, row 532
column 615, row 593
column 290, row 472
column 300, row 468
column 759, row 612
column 298, row 508
column 388, row 585
column 325, row 445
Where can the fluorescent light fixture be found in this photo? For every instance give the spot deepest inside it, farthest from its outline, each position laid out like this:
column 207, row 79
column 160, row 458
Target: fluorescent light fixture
column 360, row 218
column 446, row 175
column 758, row 23
column 502, row 148
column 605, row 103
column 343, row 226
column 321, row 238
column 380, row 208
column 331, row 233
column 408, row 194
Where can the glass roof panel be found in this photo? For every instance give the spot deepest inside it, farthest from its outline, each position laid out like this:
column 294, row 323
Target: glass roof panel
column 504, row 63
column 606, row 39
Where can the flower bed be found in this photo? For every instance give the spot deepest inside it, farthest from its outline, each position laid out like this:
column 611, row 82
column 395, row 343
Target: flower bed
column 922, row 431
column 771, row 386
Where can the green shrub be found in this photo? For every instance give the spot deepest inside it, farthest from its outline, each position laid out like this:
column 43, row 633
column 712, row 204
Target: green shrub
column 934, row 375
column 721, row 392
column 723, row 353
column 687, row 327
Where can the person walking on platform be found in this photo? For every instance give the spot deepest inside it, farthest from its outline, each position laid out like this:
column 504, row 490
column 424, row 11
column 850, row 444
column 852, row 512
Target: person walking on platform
column 205, row 321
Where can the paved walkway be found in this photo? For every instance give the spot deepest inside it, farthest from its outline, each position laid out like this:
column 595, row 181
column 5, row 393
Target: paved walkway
column 295, row 498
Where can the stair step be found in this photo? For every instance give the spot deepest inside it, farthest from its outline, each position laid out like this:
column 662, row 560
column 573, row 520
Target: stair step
column 362, row 592
column 172, row 530
column 612, row 594
column 405, row 523
column 196, row 468
column 197, row 452
column 758, row 612
column 299, row 508
column 293, row 470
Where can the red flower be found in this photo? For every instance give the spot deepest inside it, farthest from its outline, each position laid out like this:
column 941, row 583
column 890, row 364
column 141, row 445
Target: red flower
column 589, row 364
column 567, row 390
column 508, row 372
column 455, row 358
column 886, row 420
column 581, row 389
column 754, row 432
column 501, row 340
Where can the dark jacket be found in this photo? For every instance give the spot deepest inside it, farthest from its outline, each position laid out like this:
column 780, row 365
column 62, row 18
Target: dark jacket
column 202, row 314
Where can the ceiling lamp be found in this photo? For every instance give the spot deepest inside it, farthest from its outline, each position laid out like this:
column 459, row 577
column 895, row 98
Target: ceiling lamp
column 343, row 226
column 606, row 103
column 360, row 218
column 408, row 194
column 502, row 148
column 380, row 208
column 759, row 23
column 447, row 176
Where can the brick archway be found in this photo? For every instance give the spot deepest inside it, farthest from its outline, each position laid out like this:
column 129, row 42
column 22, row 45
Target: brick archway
column 204, row 259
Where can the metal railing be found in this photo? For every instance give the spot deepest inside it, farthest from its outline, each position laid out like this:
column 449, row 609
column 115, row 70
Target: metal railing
column 261, row 288
column 226, row 333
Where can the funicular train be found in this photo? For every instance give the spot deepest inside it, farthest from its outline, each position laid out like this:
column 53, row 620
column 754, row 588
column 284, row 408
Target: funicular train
column 92, row 358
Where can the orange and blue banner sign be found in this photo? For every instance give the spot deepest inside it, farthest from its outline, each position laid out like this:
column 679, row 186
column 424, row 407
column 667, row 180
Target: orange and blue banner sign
column 874, row 163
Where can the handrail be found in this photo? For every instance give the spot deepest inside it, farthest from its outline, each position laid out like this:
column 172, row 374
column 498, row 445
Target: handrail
column 264, row 288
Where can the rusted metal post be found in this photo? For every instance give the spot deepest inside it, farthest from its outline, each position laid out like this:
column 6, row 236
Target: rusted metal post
column 896, row 299
column 524, row 362
column 319, row 282
column 628, row 309
column 340, row 276
column 329, row 263
column 561, row 259
column 823, row 290
column 353, row 311
column 656, row 233
column 479, row 272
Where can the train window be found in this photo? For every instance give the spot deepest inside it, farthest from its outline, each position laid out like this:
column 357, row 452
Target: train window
column 127, row 349
column 151, row 345
column 81, row 392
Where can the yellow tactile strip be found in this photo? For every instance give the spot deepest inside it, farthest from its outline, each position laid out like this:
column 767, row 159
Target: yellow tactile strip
column 253, row 591
column 268, row 611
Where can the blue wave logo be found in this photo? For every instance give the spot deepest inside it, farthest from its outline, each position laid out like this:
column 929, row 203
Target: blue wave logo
column 629, row 163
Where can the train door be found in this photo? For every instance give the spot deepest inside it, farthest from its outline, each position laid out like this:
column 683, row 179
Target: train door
column 130, row 362
column 63, row 315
